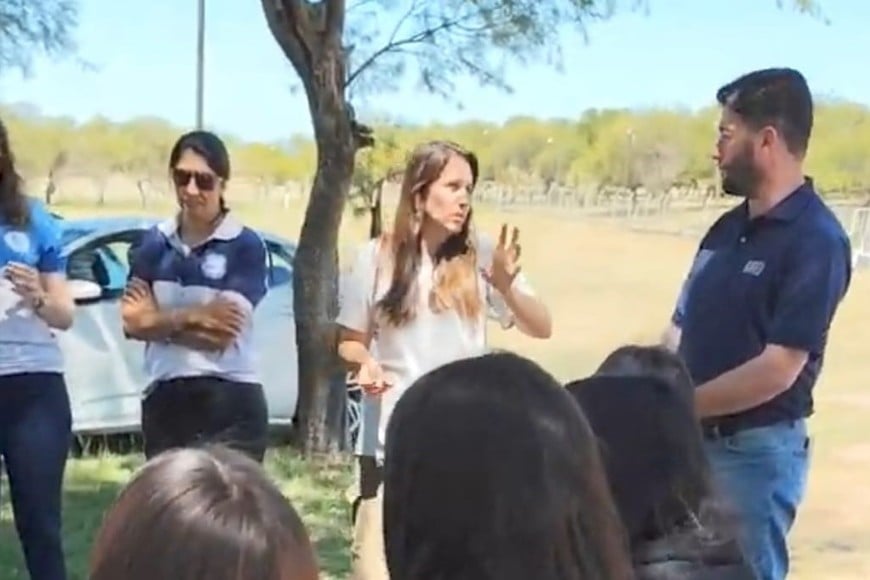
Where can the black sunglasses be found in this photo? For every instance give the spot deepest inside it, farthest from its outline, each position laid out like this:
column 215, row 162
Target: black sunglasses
column 203, row 181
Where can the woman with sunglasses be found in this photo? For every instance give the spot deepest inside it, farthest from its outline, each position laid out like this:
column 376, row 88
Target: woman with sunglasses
column 195, row 281
column 35, row 417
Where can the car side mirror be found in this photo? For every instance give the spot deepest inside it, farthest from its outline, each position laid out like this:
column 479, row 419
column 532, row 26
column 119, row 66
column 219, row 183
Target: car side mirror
column 85, row 291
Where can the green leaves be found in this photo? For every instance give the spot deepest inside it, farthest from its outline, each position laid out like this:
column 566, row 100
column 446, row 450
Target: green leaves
column 438, row 41
column 32, row 27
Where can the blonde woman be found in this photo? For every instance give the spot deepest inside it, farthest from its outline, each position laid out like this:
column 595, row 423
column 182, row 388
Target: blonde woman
column 423, row 291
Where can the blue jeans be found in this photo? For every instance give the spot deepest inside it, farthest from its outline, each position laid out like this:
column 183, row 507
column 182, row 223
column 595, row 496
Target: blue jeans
column 35, row 437
column 762, row 472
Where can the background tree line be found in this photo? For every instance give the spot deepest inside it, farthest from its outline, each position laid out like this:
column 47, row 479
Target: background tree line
column 653, row 149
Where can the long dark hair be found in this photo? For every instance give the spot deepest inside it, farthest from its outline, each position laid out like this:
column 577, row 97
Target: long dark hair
column 456, row 285
column 493, row 473
column 653, row 451
column 13, row 201
column 209, row 513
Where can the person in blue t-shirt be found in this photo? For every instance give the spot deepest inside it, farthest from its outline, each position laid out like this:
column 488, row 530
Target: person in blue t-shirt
column 195, row 281
column 35, row 416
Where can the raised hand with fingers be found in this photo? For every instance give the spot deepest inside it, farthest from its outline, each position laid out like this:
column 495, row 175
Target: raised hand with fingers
column 505, row 261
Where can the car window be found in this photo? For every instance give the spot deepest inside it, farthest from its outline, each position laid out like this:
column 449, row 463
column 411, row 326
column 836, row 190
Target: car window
column 279, row 264
column 104, row 261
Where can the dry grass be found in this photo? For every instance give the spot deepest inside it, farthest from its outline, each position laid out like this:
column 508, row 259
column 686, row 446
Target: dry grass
column 607, row 286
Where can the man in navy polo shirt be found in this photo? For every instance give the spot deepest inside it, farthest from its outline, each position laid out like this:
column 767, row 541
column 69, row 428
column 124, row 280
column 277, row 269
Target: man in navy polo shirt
column 753, row 316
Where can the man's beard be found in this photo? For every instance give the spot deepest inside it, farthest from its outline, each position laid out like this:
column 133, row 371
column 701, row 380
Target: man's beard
column 741, row 176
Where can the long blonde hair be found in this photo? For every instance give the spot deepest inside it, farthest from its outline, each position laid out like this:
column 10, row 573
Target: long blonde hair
column 456, row 280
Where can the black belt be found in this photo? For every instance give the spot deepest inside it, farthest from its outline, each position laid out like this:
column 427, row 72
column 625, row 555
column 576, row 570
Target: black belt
column 731, row 428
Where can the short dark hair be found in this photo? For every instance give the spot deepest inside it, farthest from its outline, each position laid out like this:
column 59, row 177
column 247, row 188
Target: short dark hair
column 202, row 513
column 492, row 471
column 778, row 97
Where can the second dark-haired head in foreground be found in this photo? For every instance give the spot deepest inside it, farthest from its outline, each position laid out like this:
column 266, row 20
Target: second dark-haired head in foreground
column 649, row 360
column 191, row 514
column 660, row 477
column 493, row 474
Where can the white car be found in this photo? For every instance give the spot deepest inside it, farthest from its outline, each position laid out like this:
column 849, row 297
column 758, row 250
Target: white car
column 104, row 370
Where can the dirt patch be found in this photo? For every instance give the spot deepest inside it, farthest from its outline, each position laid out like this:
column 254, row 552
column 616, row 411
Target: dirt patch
column 857, row 452
column 853, row 400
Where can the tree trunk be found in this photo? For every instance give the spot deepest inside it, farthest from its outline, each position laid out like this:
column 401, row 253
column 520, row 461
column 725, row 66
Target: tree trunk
column 50, row 189
column 101, row 183
column 376, row 225
column 310, row 35
column 143, row 195
column 321, row 386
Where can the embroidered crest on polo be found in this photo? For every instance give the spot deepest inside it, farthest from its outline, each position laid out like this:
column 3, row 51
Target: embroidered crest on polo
column 754, row 267
column 17, row 241
column 214, row 266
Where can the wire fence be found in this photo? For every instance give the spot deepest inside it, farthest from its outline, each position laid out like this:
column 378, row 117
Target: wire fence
column 680, row 210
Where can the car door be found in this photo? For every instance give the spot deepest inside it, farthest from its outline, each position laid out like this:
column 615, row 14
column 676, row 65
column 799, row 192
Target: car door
column 275, row 335
column 104, row 370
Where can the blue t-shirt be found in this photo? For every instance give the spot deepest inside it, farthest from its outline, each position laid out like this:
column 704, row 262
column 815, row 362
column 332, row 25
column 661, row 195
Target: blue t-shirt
column 27, row 343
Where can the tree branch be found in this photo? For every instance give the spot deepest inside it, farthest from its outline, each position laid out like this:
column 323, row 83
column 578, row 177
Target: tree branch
column 393, row 44
column 31, row 27
column 290, row 26
column 335, row 13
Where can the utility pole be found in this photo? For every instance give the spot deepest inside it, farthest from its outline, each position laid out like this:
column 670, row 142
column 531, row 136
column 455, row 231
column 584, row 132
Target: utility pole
column 200, row 63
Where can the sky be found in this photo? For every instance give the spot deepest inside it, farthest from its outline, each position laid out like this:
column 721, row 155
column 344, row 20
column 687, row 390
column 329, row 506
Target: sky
column 142, row 62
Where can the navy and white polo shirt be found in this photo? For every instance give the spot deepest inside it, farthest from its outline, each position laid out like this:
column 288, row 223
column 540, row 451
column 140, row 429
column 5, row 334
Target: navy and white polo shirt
column 27, row 344
column 230, row 264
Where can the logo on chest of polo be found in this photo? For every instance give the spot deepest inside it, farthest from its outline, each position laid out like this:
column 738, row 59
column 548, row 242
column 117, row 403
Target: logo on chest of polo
column 214, row 266
column 18, row 242
column 754, row 267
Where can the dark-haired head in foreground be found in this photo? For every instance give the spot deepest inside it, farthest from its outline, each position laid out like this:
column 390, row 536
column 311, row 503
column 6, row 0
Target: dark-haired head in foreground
column 653, row 452
column 191, row 514
column 493, row 474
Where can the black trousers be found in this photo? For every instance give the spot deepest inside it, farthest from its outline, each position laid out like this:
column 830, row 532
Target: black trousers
column 35, row 438
column 195, row 411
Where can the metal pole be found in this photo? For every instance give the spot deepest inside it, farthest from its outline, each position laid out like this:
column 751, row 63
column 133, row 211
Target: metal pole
column 200, row 63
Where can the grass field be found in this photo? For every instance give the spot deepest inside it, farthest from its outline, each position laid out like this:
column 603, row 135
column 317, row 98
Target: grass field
column 606, row 286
